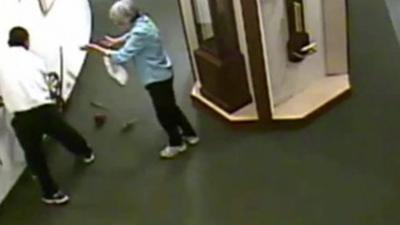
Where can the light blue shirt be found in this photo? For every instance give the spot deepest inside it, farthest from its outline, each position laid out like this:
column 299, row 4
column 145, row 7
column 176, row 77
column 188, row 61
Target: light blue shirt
column 143, row 46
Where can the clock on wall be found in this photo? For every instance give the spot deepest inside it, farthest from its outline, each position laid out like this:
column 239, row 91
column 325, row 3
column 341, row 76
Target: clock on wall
column 45, row 5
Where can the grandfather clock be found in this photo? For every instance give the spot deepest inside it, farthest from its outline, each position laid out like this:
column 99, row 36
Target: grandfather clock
column 221, row 65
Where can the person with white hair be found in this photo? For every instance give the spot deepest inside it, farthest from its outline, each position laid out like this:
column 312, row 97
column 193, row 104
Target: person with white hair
column 142, row 45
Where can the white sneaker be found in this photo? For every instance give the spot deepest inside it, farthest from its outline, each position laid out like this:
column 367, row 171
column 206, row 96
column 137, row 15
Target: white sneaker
column 192, row 140
column 172, row 151
column 89, row 159
column 58, row 198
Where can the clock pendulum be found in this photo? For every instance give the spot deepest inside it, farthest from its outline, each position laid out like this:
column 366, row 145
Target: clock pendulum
column 299, row 44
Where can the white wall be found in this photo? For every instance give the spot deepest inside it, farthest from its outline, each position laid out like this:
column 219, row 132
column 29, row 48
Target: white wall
column 68, row 24
column 11, row 155
column 288, row 78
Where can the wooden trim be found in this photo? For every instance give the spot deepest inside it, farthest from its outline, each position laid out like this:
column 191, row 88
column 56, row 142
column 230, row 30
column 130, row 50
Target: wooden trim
column 348, row 42
column 232, row 117
column 187, row 42
column 251, row 19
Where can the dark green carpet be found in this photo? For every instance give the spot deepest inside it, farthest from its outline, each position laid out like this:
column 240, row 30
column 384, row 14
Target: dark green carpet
column 341, row 169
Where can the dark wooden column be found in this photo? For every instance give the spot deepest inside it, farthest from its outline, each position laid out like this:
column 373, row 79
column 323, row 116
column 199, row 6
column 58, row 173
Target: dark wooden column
column 257, row 62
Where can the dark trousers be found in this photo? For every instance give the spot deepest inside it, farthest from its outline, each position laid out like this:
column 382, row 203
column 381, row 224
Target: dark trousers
column 168, row 113
column 30, row 126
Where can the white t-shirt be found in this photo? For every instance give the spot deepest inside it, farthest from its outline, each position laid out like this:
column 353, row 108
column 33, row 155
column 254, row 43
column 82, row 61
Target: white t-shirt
column 22, row 80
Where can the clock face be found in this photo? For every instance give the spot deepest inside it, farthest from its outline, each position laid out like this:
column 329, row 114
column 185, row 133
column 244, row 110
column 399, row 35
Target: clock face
column 53, row 25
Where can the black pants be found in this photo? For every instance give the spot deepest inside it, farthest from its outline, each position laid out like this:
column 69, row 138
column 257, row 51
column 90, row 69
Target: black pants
column 168, row 113
column 30, row 126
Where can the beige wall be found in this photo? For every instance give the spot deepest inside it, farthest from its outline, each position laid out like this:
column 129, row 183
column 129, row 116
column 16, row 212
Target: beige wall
column 287, row 78
column 336, row 36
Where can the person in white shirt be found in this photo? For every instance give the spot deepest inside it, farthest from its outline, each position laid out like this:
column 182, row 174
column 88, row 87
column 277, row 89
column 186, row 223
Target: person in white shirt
column 27, row 95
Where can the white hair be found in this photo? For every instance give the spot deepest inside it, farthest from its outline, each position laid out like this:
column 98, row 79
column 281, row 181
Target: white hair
column 123, row 11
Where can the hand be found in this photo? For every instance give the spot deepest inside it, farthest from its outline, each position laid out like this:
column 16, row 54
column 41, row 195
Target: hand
column 109, row 42
column 111, row 39
column 91, row 47
column 87, row 47
column 95, row 48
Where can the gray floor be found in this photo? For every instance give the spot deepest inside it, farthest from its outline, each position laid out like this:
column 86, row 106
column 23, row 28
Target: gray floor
column 340, row 169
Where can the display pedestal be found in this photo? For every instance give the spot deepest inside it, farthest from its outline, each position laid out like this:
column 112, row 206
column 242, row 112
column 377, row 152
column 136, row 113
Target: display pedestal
column 295, row 54
column 223, row 80
column 313, row 98
column 247, row 113
column 299, row 89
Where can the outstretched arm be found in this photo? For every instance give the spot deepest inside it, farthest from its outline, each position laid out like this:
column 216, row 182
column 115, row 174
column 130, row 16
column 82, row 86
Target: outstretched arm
column 114, row 42
column 134, row 44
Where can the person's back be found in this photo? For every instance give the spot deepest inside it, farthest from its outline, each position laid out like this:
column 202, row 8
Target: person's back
column 145, row 48
column 22, row 80
column 153, row 50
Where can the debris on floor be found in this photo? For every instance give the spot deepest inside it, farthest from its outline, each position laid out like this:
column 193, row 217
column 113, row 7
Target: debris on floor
column 129, row 125
column 98, row 105
column 100, row 119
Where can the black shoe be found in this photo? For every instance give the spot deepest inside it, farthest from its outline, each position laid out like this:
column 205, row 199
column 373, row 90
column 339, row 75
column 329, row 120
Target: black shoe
column 58, row 198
